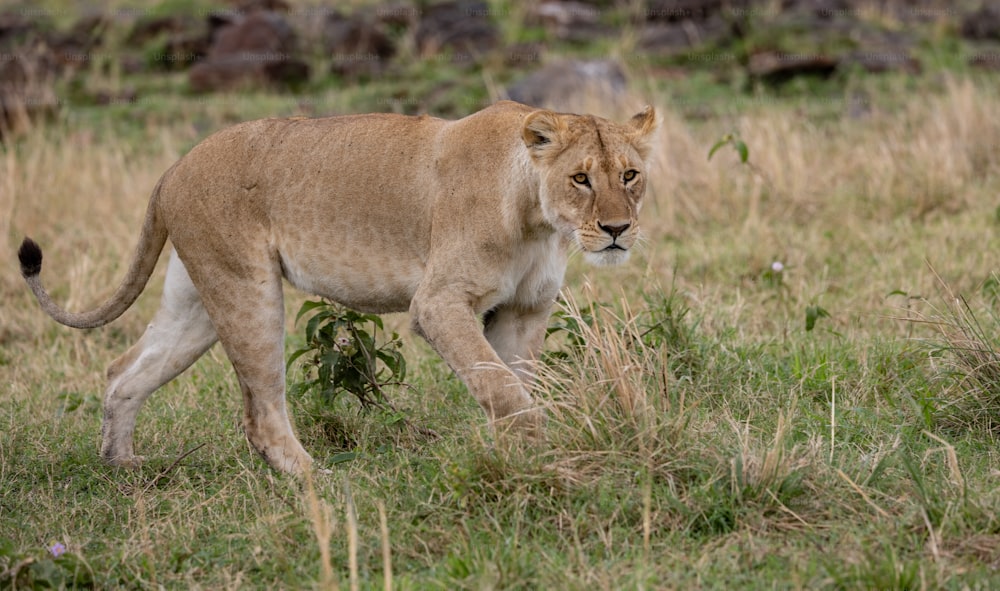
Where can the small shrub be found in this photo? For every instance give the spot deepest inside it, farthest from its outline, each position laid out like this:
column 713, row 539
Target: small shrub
column 344, row 350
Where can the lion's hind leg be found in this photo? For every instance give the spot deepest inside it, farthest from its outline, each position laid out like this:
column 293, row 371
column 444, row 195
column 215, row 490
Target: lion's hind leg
column 246, row 304
column 178, row 335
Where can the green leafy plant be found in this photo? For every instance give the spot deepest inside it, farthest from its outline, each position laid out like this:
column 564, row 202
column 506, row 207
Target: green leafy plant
column 344, row 349
column 570, row 325
column 731, row 139
column 814, row 313
column 743, row 152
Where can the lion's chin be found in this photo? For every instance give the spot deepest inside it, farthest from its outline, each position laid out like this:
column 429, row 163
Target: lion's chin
column 608, row 257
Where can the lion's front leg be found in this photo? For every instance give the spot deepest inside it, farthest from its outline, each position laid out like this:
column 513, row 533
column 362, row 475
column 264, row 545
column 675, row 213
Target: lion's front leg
column 517, row 335
column 451, row 327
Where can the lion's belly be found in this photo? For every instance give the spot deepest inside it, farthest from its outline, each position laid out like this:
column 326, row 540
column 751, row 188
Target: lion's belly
column 377, row 285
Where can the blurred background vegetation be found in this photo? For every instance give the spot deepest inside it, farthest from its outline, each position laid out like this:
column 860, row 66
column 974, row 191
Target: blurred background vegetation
column 142, row 65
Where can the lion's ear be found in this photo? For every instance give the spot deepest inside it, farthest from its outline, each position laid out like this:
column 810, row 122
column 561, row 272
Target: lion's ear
column 543, row 133
column 644, row 126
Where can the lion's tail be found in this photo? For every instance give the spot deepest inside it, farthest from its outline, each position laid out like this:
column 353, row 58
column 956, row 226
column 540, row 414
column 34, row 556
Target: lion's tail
column 151, row 241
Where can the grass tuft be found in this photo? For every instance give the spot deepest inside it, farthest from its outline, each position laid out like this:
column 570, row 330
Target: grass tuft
column 971, row 361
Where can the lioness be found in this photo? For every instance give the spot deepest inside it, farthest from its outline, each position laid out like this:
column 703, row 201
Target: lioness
column 382, row 213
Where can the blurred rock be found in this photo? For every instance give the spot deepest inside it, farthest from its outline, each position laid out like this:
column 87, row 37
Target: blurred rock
column 775, row 67
column 824, row 9
column 598, row 87
column 186, row 40
column 696, row 10
column 185, row 49
column 675, row 25
column 984, row 24
column 666, row 38
column 259, row 49
column 904, row 11
column 14, row 29
column 124, row 96
column 671, row 37
column 397, row 14
column 986, row 61
column 568, row 20
column 521, row 55
column 148, row 28
column 220, row 19
column 356, row 44
column 882, row 61
column 882, row 51
column 248, row 6
column 74, row 48
column 464, row 27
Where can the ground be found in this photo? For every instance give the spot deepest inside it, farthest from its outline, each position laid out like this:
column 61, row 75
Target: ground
column 699, row 435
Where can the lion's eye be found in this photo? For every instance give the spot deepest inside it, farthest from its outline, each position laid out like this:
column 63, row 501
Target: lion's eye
column 581, row 179
column 629, row 175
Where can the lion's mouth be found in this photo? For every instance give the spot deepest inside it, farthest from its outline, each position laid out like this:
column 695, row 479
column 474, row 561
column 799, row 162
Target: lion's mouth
column 608, row 256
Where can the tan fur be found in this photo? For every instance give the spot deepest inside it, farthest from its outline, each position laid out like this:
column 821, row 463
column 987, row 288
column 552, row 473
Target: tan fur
column 450, row 220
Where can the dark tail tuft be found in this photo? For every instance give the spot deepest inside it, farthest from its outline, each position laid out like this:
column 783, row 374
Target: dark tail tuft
column 30, row 255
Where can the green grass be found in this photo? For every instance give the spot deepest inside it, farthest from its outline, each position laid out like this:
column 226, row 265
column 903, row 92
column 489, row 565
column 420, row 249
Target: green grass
column 698, row 436
column 721, row 473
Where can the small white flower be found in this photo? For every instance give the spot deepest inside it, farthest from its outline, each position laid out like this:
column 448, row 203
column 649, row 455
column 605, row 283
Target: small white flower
column 343, row 342
column 777, row 267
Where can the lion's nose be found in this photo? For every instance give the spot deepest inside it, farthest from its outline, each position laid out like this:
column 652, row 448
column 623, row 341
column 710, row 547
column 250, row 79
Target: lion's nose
column 614, row 231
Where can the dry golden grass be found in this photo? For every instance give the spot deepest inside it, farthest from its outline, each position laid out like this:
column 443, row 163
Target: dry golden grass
column 84, row 201
column 851, row 207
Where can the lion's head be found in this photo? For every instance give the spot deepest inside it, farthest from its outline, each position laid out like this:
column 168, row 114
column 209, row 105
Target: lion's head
column 593, row 178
